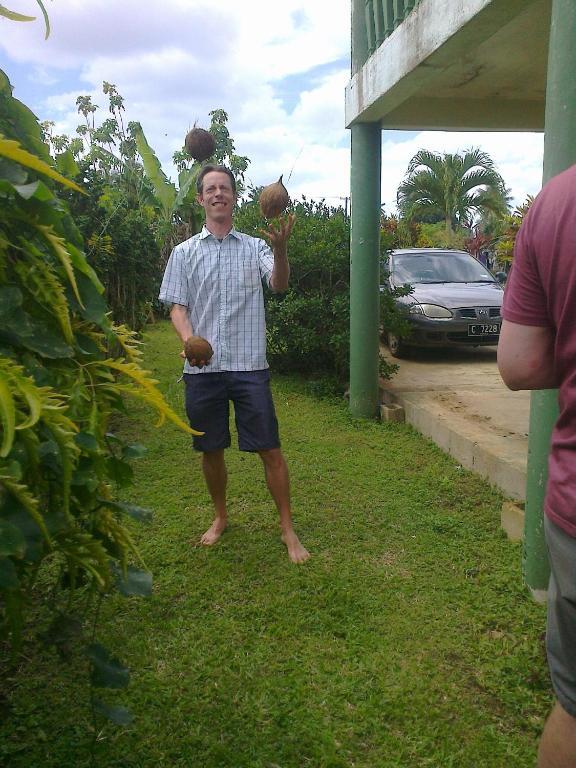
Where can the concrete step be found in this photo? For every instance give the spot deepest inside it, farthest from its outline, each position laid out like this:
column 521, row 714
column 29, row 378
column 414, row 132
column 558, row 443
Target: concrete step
column 474, row 440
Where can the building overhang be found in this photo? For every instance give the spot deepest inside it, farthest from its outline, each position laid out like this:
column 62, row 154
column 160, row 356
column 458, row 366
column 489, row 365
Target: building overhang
column 458, row 65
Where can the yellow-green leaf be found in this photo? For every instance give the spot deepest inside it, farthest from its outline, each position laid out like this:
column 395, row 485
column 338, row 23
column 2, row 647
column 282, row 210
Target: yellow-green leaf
column 13, row 16
column 7, row 416
column 32, row 394
column 59, row 247
column 27, row 500
column 147, row 391
column 13, row 151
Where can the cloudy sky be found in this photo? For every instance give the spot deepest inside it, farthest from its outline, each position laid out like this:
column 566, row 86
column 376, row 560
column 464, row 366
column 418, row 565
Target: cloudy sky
column 278, row 69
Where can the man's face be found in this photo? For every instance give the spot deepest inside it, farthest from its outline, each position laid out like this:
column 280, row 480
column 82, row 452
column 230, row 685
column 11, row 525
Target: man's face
column 217, row 197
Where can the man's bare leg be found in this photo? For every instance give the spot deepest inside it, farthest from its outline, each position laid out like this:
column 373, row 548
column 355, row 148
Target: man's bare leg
column 216, row 477
column 276, row 472
column 558, row 743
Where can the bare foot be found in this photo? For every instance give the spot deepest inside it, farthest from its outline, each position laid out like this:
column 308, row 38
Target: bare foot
column 296, row 552
column 213, row 533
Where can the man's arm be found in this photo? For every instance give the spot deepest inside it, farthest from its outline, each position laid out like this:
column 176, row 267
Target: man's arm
column 182, row 326
column 181, row 321
column 526, row 356
column 279, row 243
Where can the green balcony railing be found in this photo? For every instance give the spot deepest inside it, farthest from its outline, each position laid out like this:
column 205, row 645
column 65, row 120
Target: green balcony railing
column 382, row 18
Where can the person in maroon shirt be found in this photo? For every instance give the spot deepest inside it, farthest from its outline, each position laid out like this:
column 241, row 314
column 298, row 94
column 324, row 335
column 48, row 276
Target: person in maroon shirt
column 537, row 350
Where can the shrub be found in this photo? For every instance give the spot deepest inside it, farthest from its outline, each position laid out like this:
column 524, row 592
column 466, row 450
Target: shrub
column 308, row 326
column 60, row 467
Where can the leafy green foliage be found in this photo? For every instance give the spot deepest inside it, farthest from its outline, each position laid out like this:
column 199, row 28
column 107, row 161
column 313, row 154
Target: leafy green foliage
column 308, row 326
column 119, row 216
column 436, row 236
column 132, row 214
column 225, row 152
column 176, row 204
column 506, row 237
column 65, row 369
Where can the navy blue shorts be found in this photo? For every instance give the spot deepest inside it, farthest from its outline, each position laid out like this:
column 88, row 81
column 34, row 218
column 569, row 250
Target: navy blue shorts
column 208, row 397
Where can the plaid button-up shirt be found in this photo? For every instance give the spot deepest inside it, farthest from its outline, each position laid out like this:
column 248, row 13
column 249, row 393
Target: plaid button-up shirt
column 221, row 284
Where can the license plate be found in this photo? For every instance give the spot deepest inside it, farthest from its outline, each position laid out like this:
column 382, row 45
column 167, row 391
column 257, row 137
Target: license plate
column 484, row 329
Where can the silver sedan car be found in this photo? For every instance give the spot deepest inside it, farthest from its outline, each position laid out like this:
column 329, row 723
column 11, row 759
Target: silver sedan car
column 454, row 299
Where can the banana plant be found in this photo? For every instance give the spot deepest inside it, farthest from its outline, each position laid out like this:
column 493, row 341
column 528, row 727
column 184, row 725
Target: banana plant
column 177, row 204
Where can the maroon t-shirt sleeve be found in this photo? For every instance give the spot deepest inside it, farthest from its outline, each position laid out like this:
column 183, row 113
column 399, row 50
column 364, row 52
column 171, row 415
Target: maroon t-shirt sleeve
column 524, row 299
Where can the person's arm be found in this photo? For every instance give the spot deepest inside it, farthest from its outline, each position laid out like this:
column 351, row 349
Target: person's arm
column 183, row 327
column 278, row 238
column 526, row 356
column 181, row 324
column 181, row 321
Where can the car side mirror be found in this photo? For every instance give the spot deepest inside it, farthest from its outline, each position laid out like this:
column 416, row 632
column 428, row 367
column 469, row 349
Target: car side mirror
column 501, row 277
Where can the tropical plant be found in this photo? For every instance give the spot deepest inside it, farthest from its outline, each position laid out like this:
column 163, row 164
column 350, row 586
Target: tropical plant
column 396, row 232
column 119, row 214
column 504, row 243
column 436, row 236
column 177, row 205
column 181, row 215
column 452, row 187
column 60, row 465
column 225, row 152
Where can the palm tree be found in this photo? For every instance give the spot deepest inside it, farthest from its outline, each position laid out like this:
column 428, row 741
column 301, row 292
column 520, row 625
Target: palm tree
column 453, row 187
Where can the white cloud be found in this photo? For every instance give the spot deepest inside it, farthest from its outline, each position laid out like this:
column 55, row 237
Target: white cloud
column 278, row 70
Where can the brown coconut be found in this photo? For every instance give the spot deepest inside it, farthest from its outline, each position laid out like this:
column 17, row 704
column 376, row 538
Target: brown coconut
column 197, row 349
column 199, row 144
column 274, row 199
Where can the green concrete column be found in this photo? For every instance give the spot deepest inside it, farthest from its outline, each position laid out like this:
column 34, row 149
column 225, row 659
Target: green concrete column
column 559, row 154
column 364, row 268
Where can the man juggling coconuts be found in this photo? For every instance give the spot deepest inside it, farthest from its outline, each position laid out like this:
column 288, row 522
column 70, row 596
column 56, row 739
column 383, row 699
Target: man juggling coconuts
column 214, row 283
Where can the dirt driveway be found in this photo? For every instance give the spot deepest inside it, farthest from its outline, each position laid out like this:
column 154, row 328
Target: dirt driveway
column 456, row 398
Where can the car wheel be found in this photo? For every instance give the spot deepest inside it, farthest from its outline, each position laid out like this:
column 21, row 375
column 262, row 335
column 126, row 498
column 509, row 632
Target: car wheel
column 396, row 345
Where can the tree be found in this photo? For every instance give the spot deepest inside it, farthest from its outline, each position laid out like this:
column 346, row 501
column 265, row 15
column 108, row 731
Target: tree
column 452, row 187
column 119, row 216
column 133, row 214
column 181, row 215
column 225, row 152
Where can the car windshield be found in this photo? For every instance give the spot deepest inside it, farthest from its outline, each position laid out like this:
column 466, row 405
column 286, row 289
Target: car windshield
column 438, row 268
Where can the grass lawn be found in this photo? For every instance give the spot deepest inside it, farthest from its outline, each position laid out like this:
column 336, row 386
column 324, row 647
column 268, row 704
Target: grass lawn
column 407, row 640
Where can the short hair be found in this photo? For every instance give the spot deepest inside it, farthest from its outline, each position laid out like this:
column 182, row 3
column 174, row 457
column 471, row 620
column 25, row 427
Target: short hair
column 220, row 169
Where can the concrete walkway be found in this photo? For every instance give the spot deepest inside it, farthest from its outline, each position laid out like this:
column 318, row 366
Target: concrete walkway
column 457, row 399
